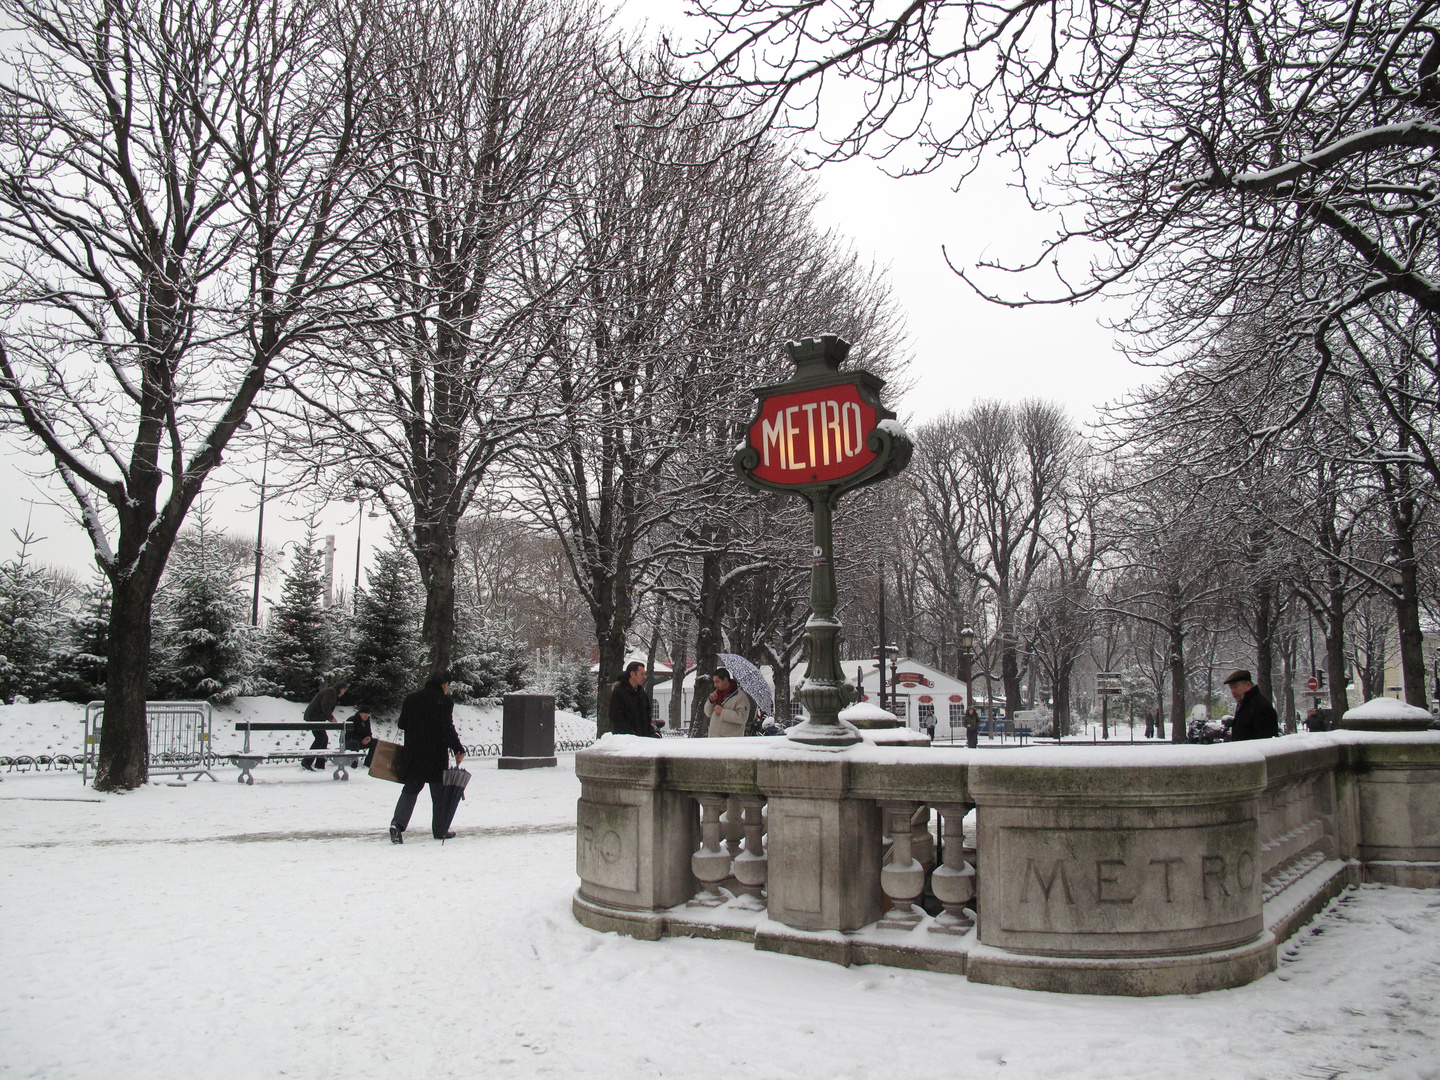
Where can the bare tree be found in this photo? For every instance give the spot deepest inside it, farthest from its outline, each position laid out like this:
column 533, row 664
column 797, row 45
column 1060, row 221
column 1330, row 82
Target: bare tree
column 179, row 184
column 484, row 105
column 1002, row 471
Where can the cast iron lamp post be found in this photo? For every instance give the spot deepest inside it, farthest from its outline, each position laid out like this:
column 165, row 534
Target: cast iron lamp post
column 260, row 523
column 819, row 435
column 967, row 658
column 359, row 497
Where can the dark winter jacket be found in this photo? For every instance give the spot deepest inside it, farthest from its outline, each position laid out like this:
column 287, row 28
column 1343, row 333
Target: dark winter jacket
column 630, row 710
column 321, row 709
column 426, row 717
column 357, row 730
column 1254, row 718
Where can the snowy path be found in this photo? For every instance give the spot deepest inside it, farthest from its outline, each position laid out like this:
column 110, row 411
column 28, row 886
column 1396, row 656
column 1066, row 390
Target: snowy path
column 178, row 932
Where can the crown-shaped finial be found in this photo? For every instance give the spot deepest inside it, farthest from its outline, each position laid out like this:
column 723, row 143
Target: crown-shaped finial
column 828, row 350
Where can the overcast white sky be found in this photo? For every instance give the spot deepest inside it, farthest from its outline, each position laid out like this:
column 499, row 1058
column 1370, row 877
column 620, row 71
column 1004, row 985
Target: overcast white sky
column 963, row 348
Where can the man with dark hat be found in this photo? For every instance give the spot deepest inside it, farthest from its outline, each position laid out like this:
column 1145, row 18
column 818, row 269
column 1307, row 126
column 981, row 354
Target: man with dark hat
column 1255, row 717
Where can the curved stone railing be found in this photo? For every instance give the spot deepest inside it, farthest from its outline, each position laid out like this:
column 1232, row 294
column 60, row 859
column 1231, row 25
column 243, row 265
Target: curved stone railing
column 1170, row 870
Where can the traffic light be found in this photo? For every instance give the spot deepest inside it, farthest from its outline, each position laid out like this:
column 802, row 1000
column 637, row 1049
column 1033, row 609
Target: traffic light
column 1320, row 675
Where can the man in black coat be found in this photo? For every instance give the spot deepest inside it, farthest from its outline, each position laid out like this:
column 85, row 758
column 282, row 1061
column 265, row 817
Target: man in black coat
column 321, row 710
column 1255, row 717
column 630, row 705
column 427, row 718
column 357, row 732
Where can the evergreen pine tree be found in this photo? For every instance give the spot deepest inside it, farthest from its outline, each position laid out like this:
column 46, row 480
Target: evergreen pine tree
column 573, row 685
column 31, row 624
column 490, row 660
column 203, row 638
column 297, row 639
column 78, row 671
column 387, row 631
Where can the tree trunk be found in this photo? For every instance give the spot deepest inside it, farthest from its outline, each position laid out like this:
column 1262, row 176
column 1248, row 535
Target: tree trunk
column 436, row 555
column 1335, row 654
column 1061, row 690
column 124, row 759
column 1177, row 684
column 1265, row 640
column 1287, row 655
column 707, row 641
column 612, row 665
column 1407, row 614
column 679, row 656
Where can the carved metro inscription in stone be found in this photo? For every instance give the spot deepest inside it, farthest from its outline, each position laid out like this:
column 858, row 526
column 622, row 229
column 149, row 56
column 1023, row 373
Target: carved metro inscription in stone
column 1116, row 883
column 607, row 845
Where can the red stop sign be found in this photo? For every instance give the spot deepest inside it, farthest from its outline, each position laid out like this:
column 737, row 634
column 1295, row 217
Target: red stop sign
column 813, row 436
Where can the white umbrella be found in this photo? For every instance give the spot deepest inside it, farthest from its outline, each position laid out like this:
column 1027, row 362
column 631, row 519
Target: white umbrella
column 751, row 681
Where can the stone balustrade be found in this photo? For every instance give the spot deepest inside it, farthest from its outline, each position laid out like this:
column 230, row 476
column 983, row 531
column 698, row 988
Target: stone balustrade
column 1144, row 870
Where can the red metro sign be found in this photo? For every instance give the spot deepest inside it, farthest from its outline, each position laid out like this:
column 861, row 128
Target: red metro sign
column 812, row 436
column 822, row 432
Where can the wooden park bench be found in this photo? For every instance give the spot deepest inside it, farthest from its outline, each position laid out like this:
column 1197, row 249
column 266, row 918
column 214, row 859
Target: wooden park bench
column 246, row 759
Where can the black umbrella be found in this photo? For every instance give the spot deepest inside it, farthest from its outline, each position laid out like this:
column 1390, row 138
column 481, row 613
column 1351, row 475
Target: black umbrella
column 451, row 792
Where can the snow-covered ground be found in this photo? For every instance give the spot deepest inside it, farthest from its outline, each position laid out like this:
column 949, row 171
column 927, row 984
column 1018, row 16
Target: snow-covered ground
column 227, row 931
column 57, row 727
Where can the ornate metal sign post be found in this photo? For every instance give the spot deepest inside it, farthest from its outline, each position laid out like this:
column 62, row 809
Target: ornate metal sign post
column 819, row 435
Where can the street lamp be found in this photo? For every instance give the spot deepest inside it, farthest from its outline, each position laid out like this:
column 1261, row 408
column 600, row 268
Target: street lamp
column 359, row 522
column 967, row 656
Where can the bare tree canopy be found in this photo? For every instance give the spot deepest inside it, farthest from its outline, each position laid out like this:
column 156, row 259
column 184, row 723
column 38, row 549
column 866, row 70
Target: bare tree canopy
column 176, row 178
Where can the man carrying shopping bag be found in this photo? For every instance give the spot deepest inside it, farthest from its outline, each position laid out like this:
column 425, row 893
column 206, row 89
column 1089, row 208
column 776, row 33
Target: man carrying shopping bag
column 427, row 719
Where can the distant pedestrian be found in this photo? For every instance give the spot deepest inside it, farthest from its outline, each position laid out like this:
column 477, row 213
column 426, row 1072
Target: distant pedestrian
column 357, row 733
column 728, row 707
column 1255, row 717
column 1313, row 720
column 630, row 706
column 972, row 727
column 321, row 710
column 1149, row 723
column 427, row 718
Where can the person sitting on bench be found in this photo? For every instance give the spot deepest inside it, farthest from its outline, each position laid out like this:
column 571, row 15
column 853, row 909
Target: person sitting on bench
column 357, row 733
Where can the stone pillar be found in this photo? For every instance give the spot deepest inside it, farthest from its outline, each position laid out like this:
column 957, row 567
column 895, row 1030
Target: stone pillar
column 954, row 882
column 824, row 846
column 633, row 843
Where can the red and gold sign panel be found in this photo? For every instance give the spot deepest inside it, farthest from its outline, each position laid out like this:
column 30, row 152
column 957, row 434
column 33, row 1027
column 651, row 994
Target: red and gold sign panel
column 812, row 436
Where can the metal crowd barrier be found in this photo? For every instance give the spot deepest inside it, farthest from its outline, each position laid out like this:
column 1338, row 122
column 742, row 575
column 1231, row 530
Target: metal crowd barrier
column 179, row 732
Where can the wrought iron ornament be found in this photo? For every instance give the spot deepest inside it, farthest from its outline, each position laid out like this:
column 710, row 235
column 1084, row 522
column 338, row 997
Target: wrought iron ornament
column 819, row 435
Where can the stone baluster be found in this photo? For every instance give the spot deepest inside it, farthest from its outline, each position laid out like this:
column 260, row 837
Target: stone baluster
column 922, row 844
column 751, row 865
column 953, row 882
column 902, row 878
column 710, row 864
column 732, row 826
